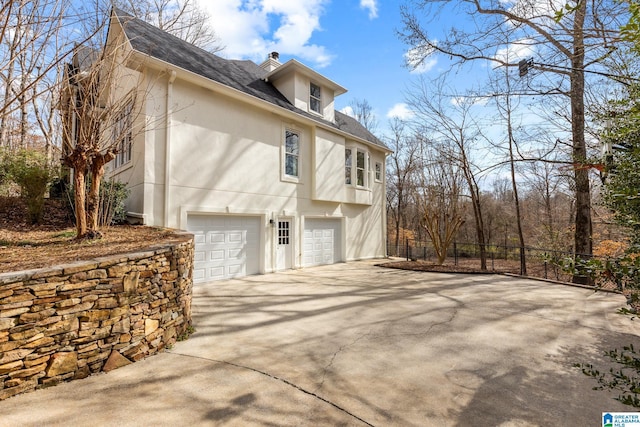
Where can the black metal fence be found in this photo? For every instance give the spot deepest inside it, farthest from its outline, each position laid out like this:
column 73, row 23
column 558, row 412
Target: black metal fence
column 544, row 263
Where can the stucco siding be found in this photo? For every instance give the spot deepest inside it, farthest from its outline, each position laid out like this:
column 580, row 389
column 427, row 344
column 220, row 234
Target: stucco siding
column 329, row 166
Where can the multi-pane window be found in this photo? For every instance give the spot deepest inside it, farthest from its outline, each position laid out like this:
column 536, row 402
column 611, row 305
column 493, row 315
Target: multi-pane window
column 122, row 135
column 283, row 232
column 378, row 172
column 357, row 168
column 291, row 153
column 315, row 101
column 347, row 165
column 360, row 168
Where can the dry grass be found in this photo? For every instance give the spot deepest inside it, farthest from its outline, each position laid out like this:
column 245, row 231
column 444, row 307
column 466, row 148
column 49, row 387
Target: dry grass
column 25, row 247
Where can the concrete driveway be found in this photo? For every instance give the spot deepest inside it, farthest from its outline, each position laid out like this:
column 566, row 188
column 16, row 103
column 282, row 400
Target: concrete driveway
column 355, row 344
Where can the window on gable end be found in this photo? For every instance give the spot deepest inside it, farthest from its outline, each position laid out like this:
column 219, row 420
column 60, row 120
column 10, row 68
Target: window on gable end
column 315, row 98
column 291, row 153
column 122, row 135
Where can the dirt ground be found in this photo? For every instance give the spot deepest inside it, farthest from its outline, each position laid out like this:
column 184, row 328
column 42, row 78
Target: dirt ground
column 24, row 246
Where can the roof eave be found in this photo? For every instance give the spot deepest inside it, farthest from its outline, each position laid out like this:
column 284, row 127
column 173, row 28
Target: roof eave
column 295, row 65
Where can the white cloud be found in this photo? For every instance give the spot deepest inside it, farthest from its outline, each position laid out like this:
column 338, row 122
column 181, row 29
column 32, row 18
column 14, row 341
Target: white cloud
column 400, row 111
column 517, row 50
column 251, row 29
column 371, row 6
column 541, row 12
column 348, row 110
column 418, row 59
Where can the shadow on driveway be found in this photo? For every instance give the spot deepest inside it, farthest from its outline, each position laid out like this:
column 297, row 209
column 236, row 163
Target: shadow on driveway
column 355, row 344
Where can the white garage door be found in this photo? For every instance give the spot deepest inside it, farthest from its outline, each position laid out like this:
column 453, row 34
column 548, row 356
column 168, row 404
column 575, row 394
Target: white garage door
column 322, row 241
column 225, row 246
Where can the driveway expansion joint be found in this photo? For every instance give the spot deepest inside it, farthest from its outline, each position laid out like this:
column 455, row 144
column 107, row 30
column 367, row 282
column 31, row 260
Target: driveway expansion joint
column 282, row 380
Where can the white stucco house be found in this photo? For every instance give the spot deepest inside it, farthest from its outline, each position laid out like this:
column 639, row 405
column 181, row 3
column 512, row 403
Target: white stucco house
column 253, row 159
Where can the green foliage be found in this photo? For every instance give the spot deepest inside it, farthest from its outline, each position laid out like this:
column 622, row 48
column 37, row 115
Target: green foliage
column 31, row 171
column 186, row 334
column 112, row 197
column 631, row 30
column 568, row 9
column 624, row 271
column 622, row 185
column 624, row 379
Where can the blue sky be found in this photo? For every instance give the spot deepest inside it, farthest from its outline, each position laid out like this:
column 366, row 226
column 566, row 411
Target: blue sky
column 352, row 42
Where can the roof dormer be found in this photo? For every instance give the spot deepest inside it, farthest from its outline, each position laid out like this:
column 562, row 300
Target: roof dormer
column 305, row 88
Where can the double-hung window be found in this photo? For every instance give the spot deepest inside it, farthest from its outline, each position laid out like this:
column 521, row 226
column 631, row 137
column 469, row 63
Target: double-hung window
column 378, row 172
column 315, row 98
column 122, row 135
column 292, row 154
column 356, row 167
column 360, row 168
column 348, row 154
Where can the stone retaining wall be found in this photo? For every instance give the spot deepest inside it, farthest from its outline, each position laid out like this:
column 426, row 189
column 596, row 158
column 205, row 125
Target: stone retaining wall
column 67, row 322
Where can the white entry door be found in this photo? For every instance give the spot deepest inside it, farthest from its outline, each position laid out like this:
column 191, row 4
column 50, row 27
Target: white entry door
column 225, row 246
column 284, row 253
column 322, row 241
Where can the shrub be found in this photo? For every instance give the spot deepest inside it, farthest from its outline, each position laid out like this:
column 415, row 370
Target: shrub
column 625, row 379
column 622, row 271
column 31, row 171
column 112, row 197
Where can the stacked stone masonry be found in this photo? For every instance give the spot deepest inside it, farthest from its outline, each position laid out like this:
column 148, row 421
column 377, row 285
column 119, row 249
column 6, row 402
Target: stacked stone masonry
column 68, row 322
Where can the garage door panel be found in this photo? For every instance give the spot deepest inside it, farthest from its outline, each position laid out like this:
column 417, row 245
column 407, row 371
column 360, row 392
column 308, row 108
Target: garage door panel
column 322, row 243
column 216, row 273
column 216, row 237
column 216, row 255
column 225, row 246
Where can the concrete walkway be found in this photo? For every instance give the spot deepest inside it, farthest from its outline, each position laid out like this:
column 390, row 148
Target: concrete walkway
column 355, row 344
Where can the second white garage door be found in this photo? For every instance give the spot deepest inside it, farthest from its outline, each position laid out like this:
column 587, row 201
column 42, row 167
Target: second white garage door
column 322, row 241
column 225, row 246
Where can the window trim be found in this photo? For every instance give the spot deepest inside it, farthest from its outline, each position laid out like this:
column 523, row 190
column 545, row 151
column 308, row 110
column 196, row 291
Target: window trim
column 313, row 98
column 284, row 176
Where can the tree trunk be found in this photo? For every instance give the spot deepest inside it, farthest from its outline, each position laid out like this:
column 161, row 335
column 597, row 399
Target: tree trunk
column 582, row 237
column 93, row 199
column 477, row 212
column 79, row 176
column 516, row 199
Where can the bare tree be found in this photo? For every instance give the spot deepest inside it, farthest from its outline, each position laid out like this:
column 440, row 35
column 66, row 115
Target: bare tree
column 99, row 127
column 31, row 47
column 506, row 105
column 182, row 18
column 439, row 201
column 451, row 127
column 363, row 112
column 567, row 48
column 403, row 165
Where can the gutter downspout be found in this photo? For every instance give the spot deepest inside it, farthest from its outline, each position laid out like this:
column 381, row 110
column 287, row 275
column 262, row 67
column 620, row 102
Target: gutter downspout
column 167, row 147
column 384, row 207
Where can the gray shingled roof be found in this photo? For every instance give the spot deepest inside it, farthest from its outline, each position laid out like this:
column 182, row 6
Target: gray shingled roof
column 245, row 76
